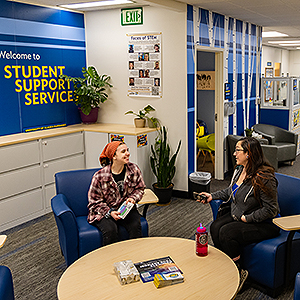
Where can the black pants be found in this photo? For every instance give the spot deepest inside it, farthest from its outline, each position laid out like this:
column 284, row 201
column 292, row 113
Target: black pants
column 229, row 235
column 109, row 227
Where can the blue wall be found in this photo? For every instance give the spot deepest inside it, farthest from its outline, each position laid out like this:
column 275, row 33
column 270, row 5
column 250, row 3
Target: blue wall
column 36, row 45
column 210, row 29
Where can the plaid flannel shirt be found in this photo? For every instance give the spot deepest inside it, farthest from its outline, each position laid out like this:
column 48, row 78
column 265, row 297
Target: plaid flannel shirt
column 104, row 193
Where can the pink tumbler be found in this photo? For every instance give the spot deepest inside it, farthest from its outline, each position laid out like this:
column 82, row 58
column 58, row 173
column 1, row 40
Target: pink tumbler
column 201, row 241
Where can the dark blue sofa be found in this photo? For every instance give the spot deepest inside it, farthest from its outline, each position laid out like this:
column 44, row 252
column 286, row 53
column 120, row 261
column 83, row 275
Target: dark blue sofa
column 76, row 236
column 265, row 261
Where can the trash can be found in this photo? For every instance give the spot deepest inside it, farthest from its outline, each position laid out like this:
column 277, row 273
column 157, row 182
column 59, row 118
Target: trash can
column 199, row 182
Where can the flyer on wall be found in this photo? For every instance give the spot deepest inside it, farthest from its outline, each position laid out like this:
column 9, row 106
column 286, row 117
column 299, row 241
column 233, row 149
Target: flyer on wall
column 144, row 65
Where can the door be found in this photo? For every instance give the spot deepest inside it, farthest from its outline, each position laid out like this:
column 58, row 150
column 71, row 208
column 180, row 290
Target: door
column 209, row 111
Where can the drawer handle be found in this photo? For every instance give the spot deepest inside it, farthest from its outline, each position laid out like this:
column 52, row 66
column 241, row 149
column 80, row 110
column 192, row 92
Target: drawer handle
column 46, row 165
column 45, row 143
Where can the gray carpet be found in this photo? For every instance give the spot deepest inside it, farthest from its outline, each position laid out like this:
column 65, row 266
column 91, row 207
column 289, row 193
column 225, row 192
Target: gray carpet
column 33, row 255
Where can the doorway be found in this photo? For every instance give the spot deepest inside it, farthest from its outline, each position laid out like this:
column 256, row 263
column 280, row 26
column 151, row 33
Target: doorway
column 209, row 111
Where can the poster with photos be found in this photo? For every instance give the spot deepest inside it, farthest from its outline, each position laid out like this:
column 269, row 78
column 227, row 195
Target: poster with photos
column 144, row 65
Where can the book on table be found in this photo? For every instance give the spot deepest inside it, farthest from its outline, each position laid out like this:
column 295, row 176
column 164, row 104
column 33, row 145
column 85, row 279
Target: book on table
column 162, row 266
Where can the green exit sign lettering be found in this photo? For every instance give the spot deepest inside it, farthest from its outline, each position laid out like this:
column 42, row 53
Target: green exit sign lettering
column 132, row 16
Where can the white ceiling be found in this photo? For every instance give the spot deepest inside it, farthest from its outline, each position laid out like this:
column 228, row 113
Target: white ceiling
column 272, row 15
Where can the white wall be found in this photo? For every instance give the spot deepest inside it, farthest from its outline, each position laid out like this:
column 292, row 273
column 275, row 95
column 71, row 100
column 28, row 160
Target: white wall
column 295, row 63
column 106, row 50
column 274, row 55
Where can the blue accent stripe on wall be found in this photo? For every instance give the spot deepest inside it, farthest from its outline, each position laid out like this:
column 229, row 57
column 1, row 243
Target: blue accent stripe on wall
column 41, row 30
column 42, row 14
column 41, row 45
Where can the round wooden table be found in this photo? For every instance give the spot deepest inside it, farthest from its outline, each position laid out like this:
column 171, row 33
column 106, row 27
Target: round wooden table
column 92, row 276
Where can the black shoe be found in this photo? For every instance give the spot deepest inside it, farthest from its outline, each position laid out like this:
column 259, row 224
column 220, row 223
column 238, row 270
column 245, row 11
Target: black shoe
column 243, row 277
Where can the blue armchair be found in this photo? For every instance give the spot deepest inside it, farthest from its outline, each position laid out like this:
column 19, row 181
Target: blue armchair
column 6, row 284
column 297, row 287
column 265, row 261
column 76, row 236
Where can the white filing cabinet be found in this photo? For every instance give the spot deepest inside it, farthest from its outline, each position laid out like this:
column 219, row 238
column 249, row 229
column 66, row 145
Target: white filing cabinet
column 27, row 175
column 60, row 153
column 94, row 144
column 21, row 183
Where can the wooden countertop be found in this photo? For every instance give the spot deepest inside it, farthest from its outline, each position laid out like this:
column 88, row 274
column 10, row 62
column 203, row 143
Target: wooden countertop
column 97, row 127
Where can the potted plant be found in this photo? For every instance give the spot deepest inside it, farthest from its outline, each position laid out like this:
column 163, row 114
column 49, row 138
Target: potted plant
column 89, row 92
column 163, row 166
column 248, row 132
column 141, row 116
column 153, row 122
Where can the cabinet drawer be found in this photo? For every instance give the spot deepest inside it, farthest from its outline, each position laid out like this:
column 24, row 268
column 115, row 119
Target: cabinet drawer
column 50, row 192
column 19, row 181
column 20, row 206
column 57, row 147
column 19, row 156
column 64, row 164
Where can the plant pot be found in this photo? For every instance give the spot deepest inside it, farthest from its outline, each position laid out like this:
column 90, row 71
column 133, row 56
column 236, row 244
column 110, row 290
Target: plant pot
column 139, row 123
column 163, row 194
column 91, row 118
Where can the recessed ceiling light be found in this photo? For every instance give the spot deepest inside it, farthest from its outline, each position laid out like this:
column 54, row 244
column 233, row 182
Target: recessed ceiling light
column 95, row 4
column 289, row 45
column 284, row 42
column 273, row 34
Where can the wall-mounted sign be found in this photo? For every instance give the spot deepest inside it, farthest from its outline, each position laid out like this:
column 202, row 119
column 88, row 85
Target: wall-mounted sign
column 227, row 91
column 117, row 137
column 206, row 80
column 132, row 16
column 142, row 140
column 144, row 65
column 295, row 84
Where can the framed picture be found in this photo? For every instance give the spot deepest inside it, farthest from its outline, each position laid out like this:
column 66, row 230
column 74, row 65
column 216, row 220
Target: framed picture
column 206, row 80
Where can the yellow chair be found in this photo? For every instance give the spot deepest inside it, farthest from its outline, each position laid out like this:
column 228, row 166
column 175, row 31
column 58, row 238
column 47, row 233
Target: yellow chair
column 206, row 144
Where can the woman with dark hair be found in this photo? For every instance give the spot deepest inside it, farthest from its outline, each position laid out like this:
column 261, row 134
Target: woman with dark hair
column 119, row 180
column 252, row 200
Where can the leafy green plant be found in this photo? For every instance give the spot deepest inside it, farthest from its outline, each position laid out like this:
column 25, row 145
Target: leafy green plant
column 89, row 91
column 142, row 114
column 161, row 161
column 248, row 131
column 153, row 122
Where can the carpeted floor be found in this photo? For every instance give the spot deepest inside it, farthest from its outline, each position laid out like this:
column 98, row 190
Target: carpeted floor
column 33, row 255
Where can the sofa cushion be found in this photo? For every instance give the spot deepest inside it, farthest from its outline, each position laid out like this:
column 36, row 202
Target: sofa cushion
column 286, row 151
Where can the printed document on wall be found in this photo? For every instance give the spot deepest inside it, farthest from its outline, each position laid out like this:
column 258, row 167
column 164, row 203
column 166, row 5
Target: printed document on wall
column 144, row 65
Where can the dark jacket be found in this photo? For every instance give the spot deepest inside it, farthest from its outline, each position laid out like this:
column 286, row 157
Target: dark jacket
column 244, row 202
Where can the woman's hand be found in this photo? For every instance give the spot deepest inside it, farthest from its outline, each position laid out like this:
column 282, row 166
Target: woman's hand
column 243, row 218
column 115, row 215
column 130, row 200
column 205, row 200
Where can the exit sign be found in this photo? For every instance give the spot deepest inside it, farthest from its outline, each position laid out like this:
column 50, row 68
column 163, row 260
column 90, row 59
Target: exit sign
column 132, row 16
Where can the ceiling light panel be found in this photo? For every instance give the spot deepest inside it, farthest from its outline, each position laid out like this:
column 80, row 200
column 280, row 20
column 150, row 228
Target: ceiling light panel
column 95, row 4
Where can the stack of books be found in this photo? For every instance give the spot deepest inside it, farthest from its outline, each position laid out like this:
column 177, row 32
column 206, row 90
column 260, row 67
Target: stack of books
column 161, row 280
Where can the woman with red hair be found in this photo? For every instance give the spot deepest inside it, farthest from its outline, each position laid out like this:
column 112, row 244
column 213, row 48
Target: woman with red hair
column 119, row 180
